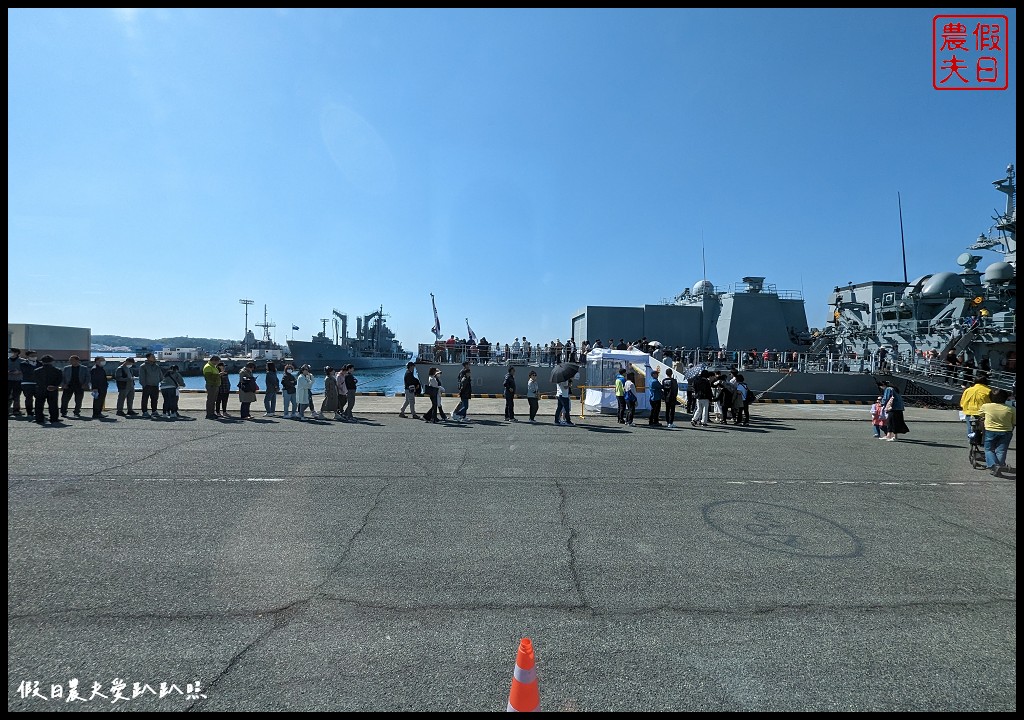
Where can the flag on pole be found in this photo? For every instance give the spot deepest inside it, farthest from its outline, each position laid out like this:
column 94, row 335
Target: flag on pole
column 295, row 327
column 437, row 322
column 470, row 334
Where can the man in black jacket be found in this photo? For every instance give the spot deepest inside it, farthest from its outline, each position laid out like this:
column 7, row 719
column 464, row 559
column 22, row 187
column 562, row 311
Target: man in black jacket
column 465, row 393
column 701, row 387
column 98, row 380
column 28, row 382
column 411, row 383
column 670, row 389
column 76, row 382
column 510, row 394
column 48, row 381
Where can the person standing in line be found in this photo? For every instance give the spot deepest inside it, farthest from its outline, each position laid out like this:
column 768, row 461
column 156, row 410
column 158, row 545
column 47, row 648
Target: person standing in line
column 971, row 401
column 272, row 386
column 150, row 376
column 465, row 393
column 670, row 389
column 330, row 401
column 350, row 390
column 440, row 395
column 411, row 383
column 629, row 396
column 742, row 397
column 247, row 389
column 14, row 378
column 288, row 392
column 691, row 395
column 304, row 392
column 717, row 381
column 98, row 380
column 727, row 390
column 223, row 391
column 533, row 395
column 620, row 395
column 124, row 378
column 48, row 382
column 510, row 394
column 76, row 382
column 432, row 386
column 339, row 380
column 212, row 377
column 655, row 394
column 170, row 387
column 702, row 392
column 877, row 418
column 1000, row 420
column 28, row 382
column 563, row 393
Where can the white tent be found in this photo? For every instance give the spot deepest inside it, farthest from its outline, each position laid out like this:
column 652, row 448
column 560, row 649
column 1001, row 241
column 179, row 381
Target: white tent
column 602, row 365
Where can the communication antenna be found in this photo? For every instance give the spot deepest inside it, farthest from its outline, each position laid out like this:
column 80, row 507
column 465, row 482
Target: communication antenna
column 245, row 342
column 902, row 242
column 703, row 263
column 324, row 321
column 266, row 326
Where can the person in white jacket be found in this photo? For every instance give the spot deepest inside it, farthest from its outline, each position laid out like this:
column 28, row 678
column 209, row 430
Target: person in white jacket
column 304, row 392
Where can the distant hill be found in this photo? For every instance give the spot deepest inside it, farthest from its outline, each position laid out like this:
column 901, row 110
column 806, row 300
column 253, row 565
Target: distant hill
column 210, row 345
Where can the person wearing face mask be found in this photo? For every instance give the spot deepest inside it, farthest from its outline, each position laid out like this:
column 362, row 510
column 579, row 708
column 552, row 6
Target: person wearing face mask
column 28, row 381
column 14, row 382
column 98, row 380
column 124, row 378
column 76, row 382
column 288, row 382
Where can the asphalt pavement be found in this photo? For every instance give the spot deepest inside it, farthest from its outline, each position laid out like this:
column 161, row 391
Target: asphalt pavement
column 388, row 564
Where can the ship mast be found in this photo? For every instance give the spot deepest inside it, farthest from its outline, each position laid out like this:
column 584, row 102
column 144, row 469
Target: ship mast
column 266, row 327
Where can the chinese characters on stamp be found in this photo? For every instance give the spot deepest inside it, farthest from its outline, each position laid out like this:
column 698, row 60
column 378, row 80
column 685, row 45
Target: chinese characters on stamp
column 970, row 52
column 118, row 691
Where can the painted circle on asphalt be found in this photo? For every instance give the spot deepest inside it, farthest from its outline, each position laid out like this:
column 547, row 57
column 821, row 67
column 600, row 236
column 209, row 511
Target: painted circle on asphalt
column 780, row 528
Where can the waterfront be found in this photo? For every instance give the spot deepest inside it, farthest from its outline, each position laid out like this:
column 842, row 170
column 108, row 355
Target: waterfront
column 385, row 380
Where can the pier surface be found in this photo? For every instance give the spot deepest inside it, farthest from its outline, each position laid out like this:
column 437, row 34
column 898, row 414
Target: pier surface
column 387, row 564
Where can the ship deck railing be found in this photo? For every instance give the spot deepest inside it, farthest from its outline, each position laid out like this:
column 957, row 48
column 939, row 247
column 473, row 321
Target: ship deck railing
column 956, row 377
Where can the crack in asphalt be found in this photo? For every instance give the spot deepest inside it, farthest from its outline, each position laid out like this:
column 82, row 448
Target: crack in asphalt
column 563, row 499
column 282, row 617
column 966, row 528
column 153, row 454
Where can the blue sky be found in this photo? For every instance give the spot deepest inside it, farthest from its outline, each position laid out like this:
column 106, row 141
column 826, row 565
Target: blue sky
column 163, row 164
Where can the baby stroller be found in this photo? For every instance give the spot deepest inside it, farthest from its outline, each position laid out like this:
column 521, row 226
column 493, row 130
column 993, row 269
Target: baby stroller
column 976, row 450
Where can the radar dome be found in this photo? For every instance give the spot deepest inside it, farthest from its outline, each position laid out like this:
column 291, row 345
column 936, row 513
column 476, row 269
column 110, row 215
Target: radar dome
column 703, row 287
column 999, row 272
column 943, row 284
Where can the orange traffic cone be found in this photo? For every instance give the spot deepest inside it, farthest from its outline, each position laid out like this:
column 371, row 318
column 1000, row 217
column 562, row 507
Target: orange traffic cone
column 524, row 696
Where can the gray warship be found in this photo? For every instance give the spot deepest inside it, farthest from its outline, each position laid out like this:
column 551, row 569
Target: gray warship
column 930, row 336
column 373, row 346
column 939, row 331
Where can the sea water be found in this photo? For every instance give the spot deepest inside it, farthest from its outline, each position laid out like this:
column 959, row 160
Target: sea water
column 385, row 380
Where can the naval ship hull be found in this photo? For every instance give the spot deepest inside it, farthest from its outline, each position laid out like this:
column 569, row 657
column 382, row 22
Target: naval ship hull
column 768, row 385
column 320, row 355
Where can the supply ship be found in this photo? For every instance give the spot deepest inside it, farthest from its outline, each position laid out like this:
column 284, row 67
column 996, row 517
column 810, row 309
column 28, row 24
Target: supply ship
column 373, row 345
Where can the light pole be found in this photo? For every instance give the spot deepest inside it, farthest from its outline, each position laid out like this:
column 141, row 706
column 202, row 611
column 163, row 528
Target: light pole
column 245, row 338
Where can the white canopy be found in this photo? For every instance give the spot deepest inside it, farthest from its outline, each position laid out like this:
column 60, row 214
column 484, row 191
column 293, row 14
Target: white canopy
column 630, row 356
